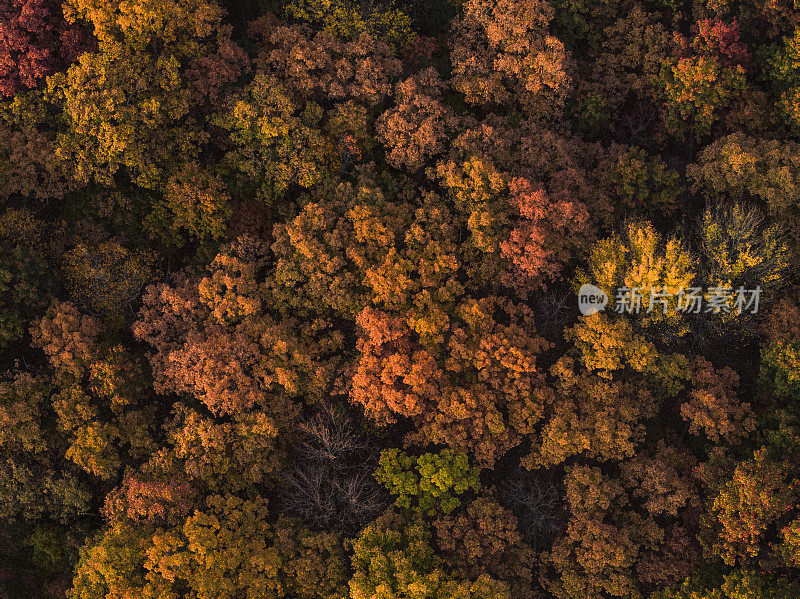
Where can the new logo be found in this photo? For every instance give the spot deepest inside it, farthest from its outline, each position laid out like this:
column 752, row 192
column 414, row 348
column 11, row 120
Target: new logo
column 591, row 299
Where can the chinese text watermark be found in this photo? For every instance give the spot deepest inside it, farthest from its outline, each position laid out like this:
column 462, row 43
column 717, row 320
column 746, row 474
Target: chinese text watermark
column 686, row 300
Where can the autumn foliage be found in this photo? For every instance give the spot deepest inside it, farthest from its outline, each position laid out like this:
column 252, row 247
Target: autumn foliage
column 289, row 299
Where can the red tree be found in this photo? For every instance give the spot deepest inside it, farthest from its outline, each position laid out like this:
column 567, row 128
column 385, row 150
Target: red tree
column 35, row 41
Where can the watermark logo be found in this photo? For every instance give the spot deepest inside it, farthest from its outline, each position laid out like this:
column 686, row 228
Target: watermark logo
column 689, row 300
column 591, row 299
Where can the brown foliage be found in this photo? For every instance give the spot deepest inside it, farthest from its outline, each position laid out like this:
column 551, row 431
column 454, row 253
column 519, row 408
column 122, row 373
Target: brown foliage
column 663, row 479
column 713, row 407
column 484, row 540
column 590, row 414
column 502, row 54
column 544, row 238
column 758, row 494
column 93, row 379
column 320, row 68
column 416, row 128
column 149, row 500
column 214, row 338
column 457, row 392
column 597, row 556
column 68, row 337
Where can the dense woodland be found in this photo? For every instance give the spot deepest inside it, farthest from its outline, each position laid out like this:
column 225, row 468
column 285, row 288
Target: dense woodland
column 288, row 299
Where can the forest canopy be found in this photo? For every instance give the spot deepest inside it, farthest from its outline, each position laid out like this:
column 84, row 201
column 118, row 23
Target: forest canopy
column 293, row 299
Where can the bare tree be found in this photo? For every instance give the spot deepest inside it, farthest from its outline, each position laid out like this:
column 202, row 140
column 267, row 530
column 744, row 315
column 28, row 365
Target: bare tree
column 554, row 309
column 331, row 485
column 536, row 502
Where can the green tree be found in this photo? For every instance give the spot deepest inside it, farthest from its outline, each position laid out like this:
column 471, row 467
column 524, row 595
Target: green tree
column 430, row 483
